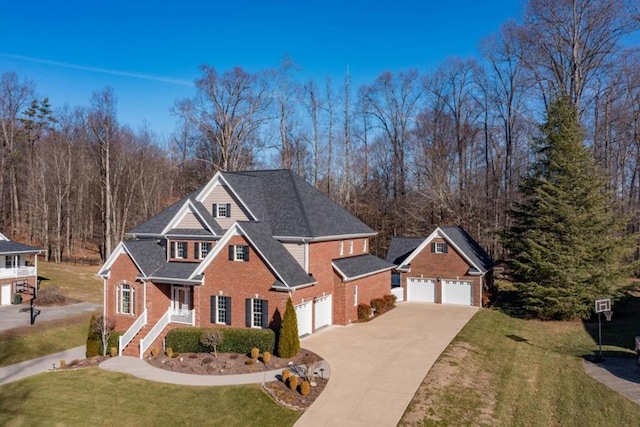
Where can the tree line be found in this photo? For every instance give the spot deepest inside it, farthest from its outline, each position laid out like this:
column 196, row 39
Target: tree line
column 407, row 152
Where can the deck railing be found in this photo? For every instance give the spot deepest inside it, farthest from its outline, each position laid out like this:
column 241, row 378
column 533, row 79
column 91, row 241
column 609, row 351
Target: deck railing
column 6, row 273
column 125, row 339
column 183, row 316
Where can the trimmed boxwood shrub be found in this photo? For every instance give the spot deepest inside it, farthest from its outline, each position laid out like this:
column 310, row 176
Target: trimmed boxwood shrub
column 364, row 312
column 235, row 340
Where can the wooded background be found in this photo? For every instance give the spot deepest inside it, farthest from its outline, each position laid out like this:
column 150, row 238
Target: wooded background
column 410, row 151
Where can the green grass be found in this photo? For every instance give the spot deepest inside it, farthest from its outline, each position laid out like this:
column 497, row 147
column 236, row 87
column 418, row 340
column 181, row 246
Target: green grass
column 519, row 372
column 96, row 397
column 30, row 342
column 74, row 281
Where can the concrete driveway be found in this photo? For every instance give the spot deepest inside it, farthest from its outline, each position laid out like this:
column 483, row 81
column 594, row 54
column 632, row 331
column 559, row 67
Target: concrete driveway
column 12, row 317
column 376, row 367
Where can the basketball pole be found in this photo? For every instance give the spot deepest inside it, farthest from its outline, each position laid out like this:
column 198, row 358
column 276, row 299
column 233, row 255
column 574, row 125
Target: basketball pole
column 600, row 335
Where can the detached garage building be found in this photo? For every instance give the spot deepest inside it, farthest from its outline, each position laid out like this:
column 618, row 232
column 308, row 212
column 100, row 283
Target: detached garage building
column 448, row 267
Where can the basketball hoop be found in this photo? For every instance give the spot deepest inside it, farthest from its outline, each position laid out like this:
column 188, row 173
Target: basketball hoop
column 608, row 314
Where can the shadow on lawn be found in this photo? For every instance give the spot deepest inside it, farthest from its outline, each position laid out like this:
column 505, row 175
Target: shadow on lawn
column 624, row 325
column 12, row 398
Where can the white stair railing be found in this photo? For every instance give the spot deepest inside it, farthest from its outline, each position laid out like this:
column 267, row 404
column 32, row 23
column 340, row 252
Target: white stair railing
column 125, row 339
column 146, row 342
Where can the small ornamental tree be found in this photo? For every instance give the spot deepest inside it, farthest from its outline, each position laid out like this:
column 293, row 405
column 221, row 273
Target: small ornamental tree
column 211, row 339
column 289, row 342
column 102, row 328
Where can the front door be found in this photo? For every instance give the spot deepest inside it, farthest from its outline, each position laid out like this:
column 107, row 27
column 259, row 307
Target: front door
column 181, row 299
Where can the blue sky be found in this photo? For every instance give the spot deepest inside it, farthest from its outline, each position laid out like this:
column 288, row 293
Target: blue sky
column 149, row 51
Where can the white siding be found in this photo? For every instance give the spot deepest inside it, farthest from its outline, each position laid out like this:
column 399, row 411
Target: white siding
column 190, row 221
column 220, row 194
column 297, row 251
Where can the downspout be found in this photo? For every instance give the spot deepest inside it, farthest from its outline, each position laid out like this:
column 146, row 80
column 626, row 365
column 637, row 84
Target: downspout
column 104, row 297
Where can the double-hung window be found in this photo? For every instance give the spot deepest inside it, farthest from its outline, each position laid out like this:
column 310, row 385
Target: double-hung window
column 179, row 250
column 238, row 253
column 205, row 247
column 257, row 312
column 439, row 247
column 222, row 210
column 350, row 246
column 221, row 309
column 12, row 261
column 125, row 299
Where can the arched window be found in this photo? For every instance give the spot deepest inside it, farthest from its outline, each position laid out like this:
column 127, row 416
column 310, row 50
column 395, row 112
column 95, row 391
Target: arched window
column 125, row 299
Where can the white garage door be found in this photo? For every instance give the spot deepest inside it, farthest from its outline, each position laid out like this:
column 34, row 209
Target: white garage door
column 457, row 292
column 5, row 298
column 421, row 290
column 323, row 309
column 303, row 314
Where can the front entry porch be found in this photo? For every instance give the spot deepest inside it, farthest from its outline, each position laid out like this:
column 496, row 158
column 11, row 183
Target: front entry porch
column 144, row 334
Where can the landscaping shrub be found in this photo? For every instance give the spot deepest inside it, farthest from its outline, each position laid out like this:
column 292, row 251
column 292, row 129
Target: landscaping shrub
column 286, row 374
column 234, row 340
column 305, row 388
column 255, row 353
column 113, row 341
column 389, row 301
column 52, row 296
column 364, row 312
column 289, row 342
column 93, row 340
column 249, row 362
column 378, row 305
column 211, row 339
column 266, row 357
column 169, row 352
column 293, row 382
column 113, row 351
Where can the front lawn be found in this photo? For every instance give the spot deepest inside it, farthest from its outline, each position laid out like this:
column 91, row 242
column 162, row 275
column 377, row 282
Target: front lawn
column 74, row 281
column 40, row 339
column 96, row 397
column 502, row 370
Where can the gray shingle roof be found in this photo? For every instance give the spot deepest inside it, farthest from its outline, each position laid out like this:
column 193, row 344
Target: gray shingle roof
column 276, row 255
column 470, row 247
column 149, row 255
column 9, row 247
column 158, row 222
column 361, row 265
column 401, row 247
column 188, row 232
column 291, row 206
column 175, row 270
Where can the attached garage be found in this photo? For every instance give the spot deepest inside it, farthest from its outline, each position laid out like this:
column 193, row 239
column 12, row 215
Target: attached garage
column 323, row 310
column 457, row 292
column 421, row 290
column 5, row 295
column 305, row 318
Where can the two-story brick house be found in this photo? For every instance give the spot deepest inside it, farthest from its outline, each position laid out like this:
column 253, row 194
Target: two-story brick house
column 447, row 267
column 231, row 253
column 18, row 269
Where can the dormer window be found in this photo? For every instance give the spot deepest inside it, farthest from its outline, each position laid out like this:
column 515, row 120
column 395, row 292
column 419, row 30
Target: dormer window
column 179, row 250
column 221, row 210
column 350, row 246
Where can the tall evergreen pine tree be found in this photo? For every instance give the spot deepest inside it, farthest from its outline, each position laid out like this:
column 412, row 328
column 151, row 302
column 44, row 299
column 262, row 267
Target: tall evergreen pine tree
column 566, row 240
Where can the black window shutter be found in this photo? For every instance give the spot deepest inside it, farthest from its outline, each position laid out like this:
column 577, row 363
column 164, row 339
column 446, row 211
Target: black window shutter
column 186, row 250
column 214, row 307
column 433, row 247
column 247, row 314
column 173, row 249
column 228, row 210
column 214, row 211
column 265, row 313
column 196, row 250
column 231, row 249
column 245, row 249
column 445, row 248
column 228, row 310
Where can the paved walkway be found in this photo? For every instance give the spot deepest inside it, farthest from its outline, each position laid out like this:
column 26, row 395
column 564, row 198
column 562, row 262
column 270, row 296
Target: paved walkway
column 141, row 369
column 376, row 367
column 37, row 366
column 11, row 317
column 619, row 374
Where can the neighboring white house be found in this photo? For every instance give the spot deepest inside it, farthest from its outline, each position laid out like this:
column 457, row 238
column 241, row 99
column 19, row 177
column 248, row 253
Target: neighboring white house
column 18, row 268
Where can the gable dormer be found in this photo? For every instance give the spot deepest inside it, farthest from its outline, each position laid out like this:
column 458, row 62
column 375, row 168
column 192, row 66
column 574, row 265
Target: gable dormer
column 225, row 206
